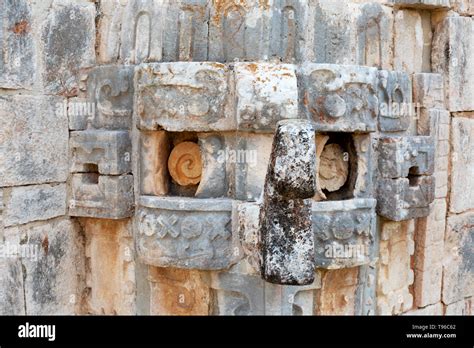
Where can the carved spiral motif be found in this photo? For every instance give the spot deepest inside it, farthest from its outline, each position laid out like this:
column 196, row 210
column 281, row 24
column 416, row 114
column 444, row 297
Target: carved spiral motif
column 184, row 164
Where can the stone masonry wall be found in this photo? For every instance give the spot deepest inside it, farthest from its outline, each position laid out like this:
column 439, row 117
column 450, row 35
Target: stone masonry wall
column 138, row 173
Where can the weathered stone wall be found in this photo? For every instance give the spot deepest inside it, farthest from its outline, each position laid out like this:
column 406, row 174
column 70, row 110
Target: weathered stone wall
column 138, row 175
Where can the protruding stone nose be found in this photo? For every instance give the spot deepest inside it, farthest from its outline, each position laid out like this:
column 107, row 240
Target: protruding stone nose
column 286, row 235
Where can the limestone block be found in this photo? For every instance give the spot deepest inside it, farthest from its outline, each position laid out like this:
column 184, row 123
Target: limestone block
column 17, row 47
column 2, row 208
column 462, row 165
column 344, row 233
column 458, row 270
column 453, row 56
column 140, row 37
column 108, row 151
column 335, row 36
column 428, row 90
column 154, row 153
column 68, row 38
column 153, row 30
column 213, row 182
column 464, row 7
column 430, row 229
column 178, row 292
column 394, row 274
column 247, row 215
column 186, row 29
column 286, row 236
column 237, row 294
column 291, row 25
column 428, row 257
column 435, row 309
column 245, row 294
column 54, row 273
column 404, row 199
column 101, row 196
column 110, row 266
column 185, row 233
column 32, row 203
column 109, row 29
column 400, row 157
column 408, row 54
column 12, row 300
column 463, row 307
column 250, row 159
column 422, row 4
column 110, row 93
column 363, row 186
column 395, row 101
column 366, row 293
column 265, row 94
column 33, row 140
column 374, row 36
column 338, row 292
column 239, row 30
column 338, row 98
column 183, row 96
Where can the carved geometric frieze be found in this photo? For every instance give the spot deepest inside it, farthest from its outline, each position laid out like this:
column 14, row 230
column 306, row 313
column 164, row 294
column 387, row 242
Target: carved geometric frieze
column 186, row 233
column 344, row 233
column 101, row 196
column 109, row 151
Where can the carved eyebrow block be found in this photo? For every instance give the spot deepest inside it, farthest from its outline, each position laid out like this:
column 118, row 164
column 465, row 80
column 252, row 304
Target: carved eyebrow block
column 181, row 96
column 339, row 98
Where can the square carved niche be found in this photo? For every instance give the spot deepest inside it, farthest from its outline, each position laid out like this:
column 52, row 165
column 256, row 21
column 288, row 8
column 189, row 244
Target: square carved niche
column 343, row 166
column 184, row 164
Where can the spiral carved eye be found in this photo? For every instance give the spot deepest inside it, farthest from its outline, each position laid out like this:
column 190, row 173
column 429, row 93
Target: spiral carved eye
column 184, row 164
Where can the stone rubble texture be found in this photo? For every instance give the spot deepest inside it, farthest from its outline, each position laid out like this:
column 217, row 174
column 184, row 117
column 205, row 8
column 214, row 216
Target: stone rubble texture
column 152, row 162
